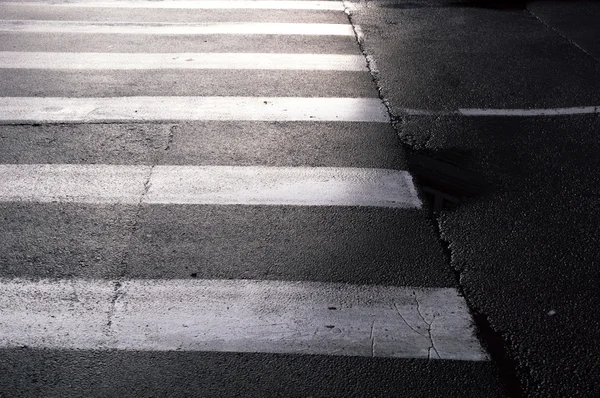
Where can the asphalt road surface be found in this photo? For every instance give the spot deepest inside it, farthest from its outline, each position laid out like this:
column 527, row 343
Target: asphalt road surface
column 299, row 198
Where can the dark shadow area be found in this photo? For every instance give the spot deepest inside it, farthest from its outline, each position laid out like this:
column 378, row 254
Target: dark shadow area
column 499, row 4
column 441, row 176
column 26, row 372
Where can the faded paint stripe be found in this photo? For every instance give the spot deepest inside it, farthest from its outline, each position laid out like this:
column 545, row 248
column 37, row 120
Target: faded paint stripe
column 482, row 112
column 208, row 28
column 14, row 110
column 529, row 112
column 125, row 61
column 190, row 4
column 221, row 185
column 238, row 316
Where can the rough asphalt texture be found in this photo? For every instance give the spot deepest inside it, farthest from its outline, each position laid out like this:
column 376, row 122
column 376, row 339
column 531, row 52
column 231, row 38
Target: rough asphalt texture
column 526, row 250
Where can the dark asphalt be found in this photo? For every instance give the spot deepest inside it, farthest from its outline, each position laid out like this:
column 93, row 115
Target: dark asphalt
column 111, row 43
column 364, row 246
column 575, row 21
column 324, row 144
column 32, row 83
column 184, row 374
column 526, row 248
column 449, row 57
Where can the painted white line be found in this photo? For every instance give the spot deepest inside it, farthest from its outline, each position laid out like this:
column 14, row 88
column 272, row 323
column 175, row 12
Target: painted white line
column 191, row 4
column 220, row 185
column 208, row 28
column 72, row 183
column 481, row 112
column 113, row 109
column 313, row 186
column 238, row 316
column 529, row 112
column 120, row 61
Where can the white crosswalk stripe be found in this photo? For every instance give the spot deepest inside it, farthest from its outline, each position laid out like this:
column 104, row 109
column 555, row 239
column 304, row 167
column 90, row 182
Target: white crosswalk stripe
column 296, row 186
column 191, row 4
column 163, row 205
column 93, row 61
column 222, row 28
column 238, row 315
column 49, row 109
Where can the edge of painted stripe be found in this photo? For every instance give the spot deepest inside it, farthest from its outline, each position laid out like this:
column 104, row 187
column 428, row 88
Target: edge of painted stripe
column 200, row 185
column 238, row 316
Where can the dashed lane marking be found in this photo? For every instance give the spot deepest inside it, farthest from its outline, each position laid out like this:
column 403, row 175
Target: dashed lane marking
column 482, row 112
column 238, row 316
column 220, row 185
column 530, row 112
column 22, row 110
column 208, row 28
column 126, row 61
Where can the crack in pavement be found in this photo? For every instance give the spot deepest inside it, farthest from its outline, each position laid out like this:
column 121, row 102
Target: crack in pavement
column 135, row 224
column 372, row 340
column 406, row 322
column 429, row 335
column 146, row 185
column 171, row 136
column 371, row 66
column 561, row 35
column 116, row 294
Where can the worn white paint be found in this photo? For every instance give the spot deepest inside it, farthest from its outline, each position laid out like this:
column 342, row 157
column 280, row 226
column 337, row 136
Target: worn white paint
column 300, row 186
column 112, row 109
column 483, row 112
column 159, row 28
column 84, row 183
column 221, row 185
column 530, row 112
column 128, row 61
column 191, row 4
column 238, row 316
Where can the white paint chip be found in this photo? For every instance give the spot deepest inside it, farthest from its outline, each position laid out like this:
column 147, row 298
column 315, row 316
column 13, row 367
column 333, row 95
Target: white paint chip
column 15, row 110
column 239, row 316
column 220, row 185
column 191, row 4
column 231, row 61
column 159, row 28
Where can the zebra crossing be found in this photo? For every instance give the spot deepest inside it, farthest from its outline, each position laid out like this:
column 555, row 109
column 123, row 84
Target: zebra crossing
column 158, row 196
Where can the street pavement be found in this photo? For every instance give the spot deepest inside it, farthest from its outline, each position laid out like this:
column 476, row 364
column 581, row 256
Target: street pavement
column 181, row 218
column 498, row 106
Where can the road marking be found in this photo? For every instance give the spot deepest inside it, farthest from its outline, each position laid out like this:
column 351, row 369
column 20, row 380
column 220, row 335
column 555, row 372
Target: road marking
column 530, row 112
column 190, row 4
column 126, row 61
column 220, row 185
column 477, row 112
column 238, row 316
column 208, row 28
column 15, row 110
column 72, row 183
